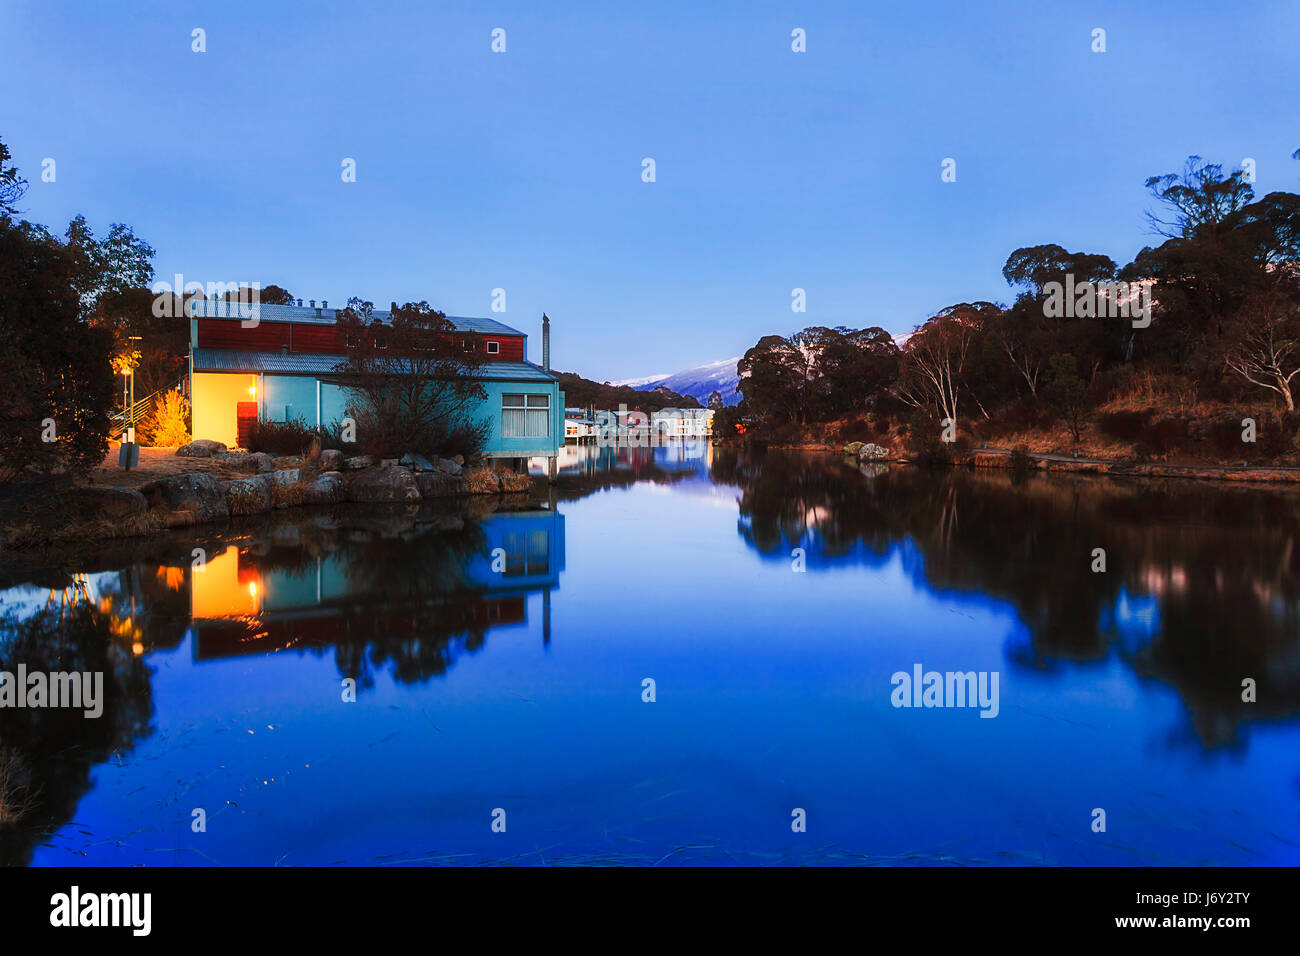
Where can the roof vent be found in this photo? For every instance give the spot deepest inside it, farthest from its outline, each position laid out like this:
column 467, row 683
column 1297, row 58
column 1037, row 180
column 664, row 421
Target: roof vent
column 324, row 303
column 313, row 303
column 300, row 303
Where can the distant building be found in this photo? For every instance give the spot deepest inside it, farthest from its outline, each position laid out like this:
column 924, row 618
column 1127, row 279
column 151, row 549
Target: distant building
column 283, row 368
column 579, row 425
column 682, row 422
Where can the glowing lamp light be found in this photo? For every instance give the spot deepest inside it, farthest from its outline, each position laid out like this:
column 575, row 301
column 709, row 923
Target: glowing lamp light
column 252, row 589
column 252, row 390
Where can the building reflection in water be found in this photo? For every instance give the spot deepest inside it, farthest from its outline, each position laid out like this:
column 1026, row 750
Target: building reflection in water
column 255, row 600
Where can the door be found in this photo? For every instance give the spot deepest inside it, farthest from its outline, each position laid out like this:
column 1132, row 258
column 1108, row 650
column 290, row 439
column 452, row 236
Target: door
column 245, row 416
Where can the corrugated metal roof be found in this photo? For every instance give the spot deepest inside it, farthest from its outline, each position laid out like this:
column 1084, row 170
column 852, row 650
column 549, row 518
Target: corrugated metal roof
column 306, row 363
column 210, row 308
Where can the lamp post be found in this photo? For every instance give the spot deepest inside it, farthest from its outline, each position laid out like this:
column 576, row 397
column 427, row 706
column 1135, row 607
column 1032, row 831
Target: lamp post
column 130, row 373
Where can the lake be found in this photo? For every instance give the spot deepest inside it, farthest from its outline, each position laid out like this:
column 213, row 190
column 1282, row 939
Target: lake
column 681, row 655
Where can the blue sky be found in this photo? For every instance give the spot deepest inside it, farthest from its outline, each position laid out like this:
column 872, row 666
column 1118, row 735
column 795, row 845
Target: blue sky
column 522, row 170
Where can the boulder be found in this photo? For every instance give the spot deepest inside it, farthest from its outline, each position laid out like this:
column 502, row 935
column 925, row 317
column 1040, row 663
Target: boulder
column 240, row 460
column 325, row 489
column 433, row 484
column 256, row 463
column 249, row 496
column 358, row 462
column 872, row 452
column 201, row 448
column 416, row 462
column 113, row 502
column 285, row 477
column 459, row 459
column 331, row 459
column 853, row 448
column 386, row 483
column 449, row 466
column 187, row 499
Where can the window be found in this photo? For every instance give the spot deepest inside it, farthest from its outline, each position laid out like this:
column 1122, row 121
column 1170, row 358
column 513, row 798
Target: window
column 494, row 348
column 525, row 416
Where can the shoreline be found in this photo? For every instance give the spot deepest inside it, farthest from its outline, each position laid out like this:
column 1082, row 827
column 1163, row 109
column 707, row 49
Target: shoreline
column 207, row 492
column 1004, row 459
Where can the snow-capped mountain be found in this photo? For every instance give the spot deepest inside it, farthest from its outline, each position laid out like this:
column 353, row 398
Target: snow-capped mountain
column 699, row 381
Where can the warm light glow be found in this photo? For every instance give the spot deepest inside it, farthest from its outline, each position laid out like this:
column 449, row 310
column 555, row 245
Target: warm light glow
column 137, row 648
column 252, row 390
column 252, row 589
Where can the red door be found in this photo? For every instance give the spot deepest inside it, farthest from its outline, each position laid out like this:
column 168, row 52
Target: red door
column 245, row 416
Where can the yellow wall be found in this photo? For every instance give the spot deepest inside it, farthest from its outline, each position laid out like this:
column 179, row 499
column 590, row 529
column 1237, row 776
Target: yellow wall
column 216, row 591
column 215, row 396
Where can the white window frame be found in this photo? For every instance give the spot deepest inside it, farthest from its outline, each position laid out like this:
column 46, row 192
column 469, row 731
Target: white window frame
column 525, row 415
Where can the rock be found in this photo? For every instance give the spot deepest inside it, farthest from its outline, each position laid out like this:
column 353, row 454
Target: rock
column 416, row 462
column 449, row 466
column 852, row 448
column 113, row 502
column 187, row 499
column 459, row 459
column 331, row 459
column 433, row 484
column 325, row 489
column 388, row 462
column 386, row 483
column 872, row 452
column 358, row 462
column 201, row 448
column 235, row 459
column 285, row 477
column 252, row 462
column 249, row 496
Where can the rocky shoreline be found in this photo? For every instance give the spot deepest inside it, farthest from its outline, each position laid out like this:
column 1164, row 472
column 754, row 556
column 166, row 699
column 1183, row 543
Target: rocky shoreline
column 319, row 478
column 1000, row 459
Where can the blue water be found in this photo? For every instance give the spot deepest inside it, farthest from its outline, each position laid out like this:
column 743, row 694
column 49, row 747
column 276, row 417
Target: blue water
column 522, row 690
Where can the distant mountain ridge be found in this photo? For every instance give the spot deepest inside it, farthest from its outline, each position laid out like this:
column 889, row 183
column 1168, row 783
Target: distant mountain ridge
column 698, row 381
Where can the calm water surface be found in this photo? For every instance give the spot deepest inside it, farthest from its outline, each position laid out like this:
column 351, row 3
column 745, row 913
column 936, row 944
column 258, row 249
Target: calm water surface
column 519, row 686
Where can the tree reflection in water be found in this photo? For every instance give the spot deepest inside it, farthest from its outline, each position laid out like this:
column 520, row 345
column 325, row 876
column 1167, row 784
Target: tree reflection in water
column 1201, row 582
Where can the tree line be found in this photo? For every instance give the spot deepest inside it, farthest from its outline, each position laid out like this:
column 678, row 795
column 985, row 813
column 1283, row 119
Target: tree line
column 1205, row 323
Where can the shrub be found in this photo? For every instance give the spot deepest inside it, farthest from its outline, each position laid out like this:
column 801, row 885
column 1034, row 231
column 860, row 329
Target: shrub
column 925, row 444
column 1123, row 426
column 167, row 426
column 1164, row 435
column 281, row 438
column 1020, row 461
